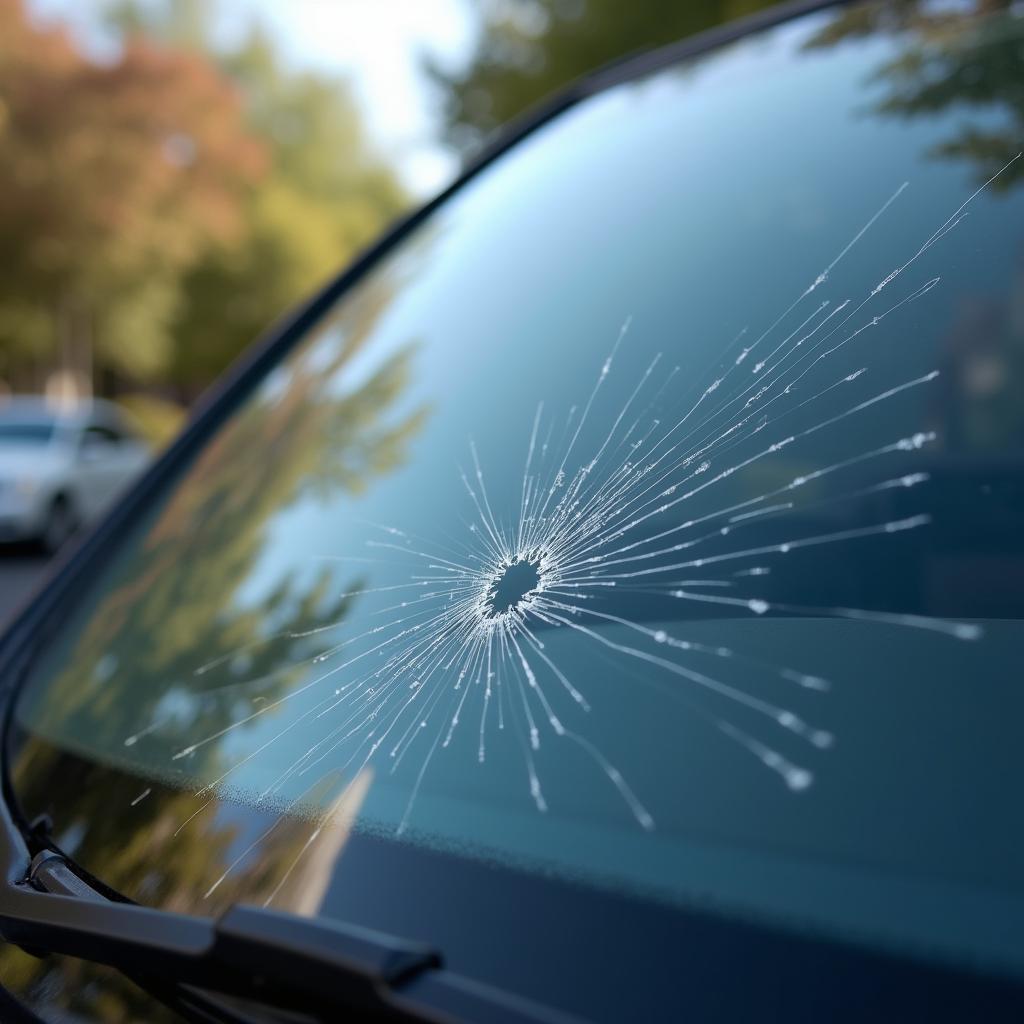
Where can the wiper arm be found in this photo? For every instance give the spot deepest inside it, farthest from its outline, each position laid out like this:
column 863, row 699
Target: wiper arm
column 281, row 959
column 278, row 959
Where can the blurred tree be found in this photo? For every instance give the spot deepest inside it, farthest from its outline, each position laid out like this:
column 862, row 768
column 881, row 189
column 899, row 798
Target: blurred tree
column 180, row 23
column 326, row 194
column 528, row 49
column 161, row 210
column 967, row 56
column 113, row 179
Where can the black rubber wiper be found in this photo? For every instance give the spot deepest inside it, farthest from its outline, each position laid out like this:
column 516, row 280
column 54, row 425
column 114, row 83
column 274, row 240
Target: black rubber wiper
column 325, row 969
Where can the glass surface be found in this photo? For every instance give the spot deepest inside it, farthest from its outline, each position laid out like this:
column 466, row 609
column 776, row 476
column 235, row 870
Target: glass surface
column 31, row 433
column 642, row 532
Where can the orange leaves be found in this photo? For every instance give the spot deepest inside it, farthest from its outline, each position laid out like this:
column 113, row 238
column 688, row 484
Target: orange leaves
column 107, row 169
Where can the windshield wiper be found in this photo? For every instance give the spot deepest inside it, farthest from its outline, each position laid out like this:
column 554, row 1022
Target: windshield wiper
column 306, row 965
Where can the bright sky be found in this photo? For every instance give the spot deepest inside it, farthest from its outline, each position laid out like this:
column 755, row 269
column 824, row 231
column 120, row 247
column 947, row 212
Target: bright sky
column 377, row 44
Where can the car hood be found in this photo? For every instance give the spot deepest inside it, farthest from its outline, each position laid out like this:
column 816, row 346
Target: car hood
column 28, row 460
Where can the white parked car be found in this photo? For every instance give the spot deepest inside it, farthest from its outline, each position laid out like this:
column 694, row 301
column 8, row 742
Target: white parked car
column 61, row 465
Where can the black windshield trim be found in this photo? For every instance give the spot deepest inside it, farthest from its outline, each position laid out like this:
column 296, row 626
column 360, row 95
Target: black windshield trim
column 321, row 967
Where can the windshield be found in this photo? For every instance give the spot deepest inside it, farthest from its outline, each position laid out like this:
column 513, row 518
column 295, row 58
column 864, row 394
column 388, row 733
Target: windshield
column 25, row 432
column 644, row 528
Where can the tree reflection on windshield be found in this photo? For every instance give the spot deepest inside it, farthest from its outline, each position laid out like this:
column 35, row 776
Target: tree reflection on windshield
column 949, row 60
column 149, row 624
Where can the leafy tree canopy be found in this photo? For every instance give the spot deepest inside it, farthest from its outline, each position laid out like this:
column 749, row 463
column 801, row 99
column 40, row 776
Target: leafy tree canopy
column 528, row 49
column 162, row 208
column 114, row 178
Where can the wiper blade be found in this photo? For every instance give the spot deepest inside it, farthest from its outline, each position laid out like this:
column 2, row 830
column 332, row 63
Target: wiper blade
column 284, row 960
column 314, row 966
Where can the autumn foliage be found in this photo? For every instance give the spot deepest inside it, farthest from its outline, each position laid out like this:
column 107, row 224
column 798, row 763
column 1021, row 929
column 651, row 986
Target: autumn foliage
column 143, row 202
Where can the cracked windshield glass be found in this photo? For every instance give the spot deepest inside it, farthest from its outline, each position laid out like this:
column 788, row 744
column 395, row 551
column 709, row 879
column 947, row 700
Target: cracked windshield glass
column 648, row 518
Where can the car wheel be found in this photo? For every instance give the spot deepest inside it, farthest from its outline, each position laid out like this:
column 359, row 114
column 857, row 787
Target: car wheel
column 61, row 523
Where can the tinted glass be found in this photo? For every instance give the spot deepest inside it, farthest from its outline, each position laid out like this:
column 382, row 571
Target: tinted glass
column 19, row 432
column 100, row 436
column 648, row 519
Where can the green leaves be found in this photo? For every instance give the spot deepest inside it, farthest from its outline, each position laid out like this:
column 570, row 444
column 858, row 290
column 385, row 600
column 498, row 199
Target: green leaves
column 162, row 209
